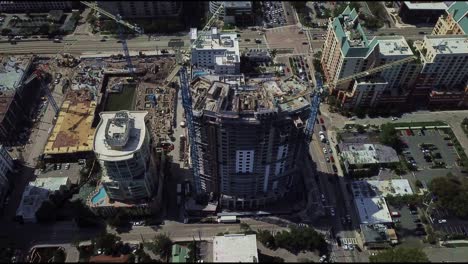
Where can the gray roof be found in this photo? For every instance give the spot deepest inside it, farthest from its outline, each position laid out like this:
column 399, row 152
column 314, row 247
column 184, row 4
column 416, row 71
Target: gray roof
column 368, row 153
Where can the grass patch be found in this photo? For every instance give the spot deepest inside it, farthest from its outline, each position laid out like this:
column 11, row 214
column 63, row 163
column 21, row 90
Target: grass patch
column 419, row 124
column 122, row 101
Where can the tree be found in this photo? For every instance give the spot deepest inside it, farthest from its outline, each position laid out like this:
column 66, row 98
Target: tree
column 452, row 194
column 106, row 241
column 389, row 136
column 400, row 255
column 266, row 238
column 44, row 29
column 360, row 129
column 298, row 5
column 273, row 53
column 162, row 245
column 193, row 252
column 47, row 212
column 419, row 184
column 6, row 31
column 119, row 220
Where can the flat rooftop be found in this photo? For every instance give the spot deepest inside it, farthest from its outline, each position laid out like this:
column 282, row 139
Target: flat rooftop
column 119, row 134
column 235, row 248
column 215, row 40
column 394, row 46
column 238, row 4
column 355, row 153
column 425, row 6
column 73, row 132
column 13, row 70
column 253, row 96
column 372, row 210
column 455, row 44
column 373, row 188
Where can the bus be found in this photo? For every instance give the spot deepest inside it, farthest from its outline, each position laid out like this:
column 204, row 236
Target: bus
column 227, row 219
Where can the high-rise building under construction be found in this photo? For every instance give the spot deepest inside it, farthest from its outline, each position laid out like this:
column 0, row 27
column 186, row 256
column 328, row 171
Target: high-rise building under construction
column 248, row 138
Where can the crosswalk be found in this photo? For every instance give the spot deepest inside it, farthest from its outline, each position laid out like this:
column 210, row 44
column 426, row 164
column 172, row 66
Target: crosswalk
column 349, row 240
column 345, row 240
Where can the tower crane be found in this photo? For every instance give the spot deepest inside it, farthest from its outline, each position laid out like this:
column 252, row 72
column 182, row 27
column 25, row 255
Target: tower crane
column 187, row 104
column 117, row 18
column 316, row 94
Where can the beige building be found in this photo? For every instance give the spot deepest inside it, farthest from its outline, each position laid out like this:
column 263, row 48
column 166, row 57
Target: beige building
column 455, row 22
column 444, row 69
column 348, row 51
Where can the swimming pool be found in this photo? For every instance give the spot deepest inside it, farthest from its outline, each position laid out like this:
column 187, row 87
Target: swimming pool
column 99, row 196
column 198, row 73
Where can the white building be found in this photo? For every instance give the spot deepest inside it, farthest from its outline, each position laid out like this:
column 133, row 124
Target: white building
column 216, row 51
column 6, row 166
column 235, row 248
column 122, row 146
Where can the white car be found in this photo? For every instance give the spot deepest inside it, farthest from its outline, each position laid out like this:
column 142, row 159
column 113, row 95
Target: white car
column 325, row 150
column 332, row 212
column 345, row 246
column 67, row 166
column 441, row 221
column 394, row 118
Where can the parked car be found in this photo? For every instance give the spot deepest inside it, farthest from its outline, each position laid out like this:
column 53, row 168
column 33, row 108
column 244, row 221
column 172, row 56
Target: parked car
column 334, row 168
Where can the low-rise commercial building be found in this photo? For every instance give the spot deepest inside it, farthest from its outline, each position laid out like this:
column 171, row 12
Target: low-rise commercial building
column 258, row 55
column 235, row 248
column 217, row 51
column 377, row 236
column 36, row 193
column 363, row 156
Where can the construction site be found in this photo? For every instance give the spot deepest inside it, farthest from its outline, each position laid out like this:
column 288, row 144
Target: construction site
column 93, row 85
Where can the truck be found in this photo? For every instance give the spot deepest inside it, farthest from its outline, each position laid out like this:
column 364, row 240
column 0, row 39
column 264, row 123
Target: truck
column 227, row 219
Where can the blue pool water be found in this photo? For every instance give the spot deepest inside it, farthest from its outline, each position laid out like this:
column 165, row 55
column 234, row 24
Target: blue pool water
column 199, row 73
column 99, row 196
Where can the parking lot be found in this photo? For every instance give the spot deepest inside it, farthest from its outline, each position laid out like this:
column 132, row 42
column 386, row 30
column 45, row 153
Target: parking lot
column 409, row 229
column 427, row 148
column 451, row 226
column 273, row 14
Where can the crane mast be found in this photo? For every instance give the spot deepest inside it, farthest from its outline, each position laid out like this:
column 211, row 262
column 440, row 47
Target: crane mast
column 117, row 18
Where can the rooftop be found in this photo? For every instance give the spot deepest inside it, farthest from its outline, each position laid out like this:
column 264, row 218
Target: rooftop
column 215, row 40
column 179, row 254
column 376, row 233
column 13, row 70
column 391, row 46
column 373, row 188
column 254, row 96
column 238, row 4
column 355, row 153
column 35, row 194
column 73, row 132
column 372, row 210
column 426, row 6
column 235, row 248
column 459, row 12
column 453, row 44
column 119, row 134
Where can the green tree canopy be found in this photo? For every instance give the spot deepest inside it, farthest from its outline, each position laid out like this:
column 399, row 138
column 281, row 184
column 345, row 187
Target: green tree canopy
column 107, row 242
column 452, row 194
column 162, row 246
column 389, row 136
column 400, row 254
column 119, row 220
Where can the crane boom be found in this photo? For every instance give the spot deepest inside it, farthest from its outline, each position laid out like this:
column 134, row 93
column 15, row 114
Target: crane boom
column 315, row 103
column 120, row 22
column 354, row 76
column 117, row 18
